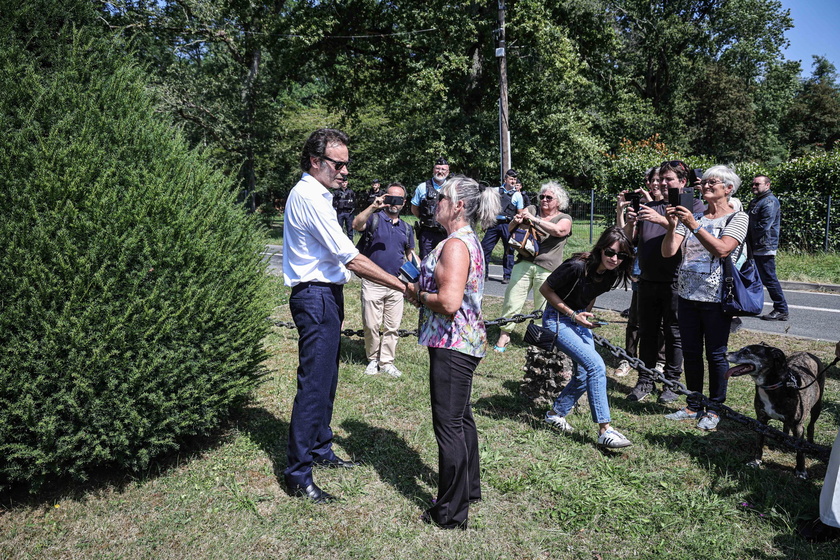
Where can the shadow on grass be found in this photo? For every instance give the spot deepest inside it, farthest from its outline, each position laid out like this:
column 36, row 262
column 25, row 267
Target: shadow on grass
column 511, row 405
column 53, row 490
column 393, row 459
column 270, row 434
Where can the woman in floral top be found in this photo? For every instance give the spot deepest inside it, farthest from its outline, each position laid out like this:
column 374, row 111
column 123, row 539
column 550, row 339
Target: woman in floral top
column 705, row 240
column 450, row 289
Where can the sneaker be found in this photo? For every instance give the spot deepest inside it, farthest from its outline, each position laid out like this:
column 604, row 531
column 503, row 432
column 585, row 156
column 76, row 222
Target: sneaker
column 372, row 368
column 775, row 315
column 640, row 391
column 660, row 367
column 558, row 422
column 708, row 421
column 622, row 369
column 391, row 370
column 668, row 396
column 505, row 280
column 613, row 439
column 683, row 414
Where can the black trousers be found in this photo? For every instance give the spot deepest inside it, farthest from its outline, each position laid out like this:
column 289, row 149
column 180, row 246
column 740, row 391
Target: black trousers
column 450, row 378
column 658, row 303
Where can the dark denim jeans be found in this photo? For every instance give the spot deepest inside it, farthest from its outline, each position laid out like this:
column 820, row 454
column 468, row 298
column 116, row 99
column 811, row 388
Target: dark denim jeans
column 491, row 238
column 703, row 322
column 766, row 265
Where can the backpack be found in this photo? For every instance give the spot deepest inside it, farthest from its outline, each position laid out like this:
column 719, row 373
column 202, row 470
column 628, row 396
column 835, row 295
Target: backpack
column 367, row 234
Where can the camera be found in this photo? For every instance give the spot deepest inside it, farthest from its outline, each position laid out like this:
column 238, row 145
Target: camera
column 393, row 200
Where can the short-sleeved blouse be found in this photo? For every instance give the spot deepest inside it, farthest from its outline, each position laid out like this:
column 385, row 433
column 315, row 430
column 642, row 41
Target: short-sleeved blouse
column 700, row 274
column 464, row 331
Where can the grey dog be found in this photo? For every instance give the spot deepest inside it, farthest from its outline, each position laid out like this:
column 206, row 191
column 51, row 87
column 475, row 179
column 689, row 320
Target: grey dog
column 789, row 389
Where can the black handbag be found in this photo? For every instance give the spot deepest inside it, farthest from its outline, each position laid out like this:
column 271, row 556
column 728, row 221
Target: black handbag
column 541, row 337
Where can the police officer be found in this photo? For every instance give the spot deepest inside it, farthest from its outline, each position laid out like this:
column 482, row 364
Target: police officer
column 423, row 204
column 344, row 202
column 512, row 202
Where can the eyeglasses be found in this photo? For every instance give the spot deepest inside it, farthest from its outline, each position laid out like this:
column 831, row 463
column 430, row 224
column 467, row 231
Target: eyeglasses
column 758, row 184
column 442, row 197
column 546, row 197
column 711, row 182
column 609, row 253
column 338, row 164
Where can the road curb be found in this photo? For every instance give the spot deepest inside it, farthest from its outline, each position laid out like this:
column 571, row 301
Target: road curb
column 810, row 286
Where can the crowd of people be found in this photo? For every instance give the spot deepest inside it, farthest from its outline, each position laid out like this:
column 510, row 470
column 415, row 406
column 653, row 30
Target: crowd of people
column 671, row 247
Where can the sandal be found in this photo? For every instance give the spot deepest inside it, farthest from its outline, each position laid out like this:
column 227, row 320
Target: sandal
column 499, row 349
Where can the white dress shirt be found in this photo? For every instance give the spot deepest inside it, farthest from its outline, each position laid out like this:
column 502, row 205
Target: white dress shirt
column 315, row 249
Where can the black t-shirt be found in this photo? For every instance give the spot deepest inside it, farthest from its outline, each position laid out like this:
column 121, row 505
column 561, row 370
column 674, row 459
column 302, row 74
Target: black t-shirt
column 571, row 284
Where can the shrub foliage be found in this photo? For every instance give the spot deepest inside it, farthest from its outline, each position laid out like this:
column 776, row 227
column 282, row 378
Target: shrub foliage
column 134, row 300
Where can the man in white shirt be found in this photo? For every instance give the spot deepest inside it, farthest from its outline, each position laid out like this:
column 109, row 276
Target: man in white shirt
column 317, row 261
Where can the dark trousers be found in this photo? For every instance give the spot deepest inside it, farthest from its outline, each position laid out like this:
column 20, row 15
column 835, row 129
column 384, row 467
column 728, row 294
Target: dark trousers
column 450, row 379
column 345, row 220
column 631, row 333
column 428, row 239
column 317, row 310
column 766, row 265
column 702, row 323
column 658, row 303
column 491, row 238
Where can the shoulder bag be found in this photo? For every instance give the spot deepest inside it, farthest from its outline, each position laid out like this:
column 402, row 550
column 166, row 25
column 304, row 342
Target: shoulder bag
column 741, row 289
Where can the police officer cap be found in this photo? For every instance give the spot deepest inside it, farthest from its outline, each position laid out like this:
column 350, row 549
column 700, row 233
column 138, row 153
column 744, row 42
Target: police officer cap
column 375, row 182
column 441, row 161
column 511, row 173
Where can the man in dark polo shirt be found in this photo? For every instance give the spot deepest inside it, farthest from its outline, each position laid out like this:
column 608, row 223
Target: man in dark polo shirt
column 657, row 295
column 388, row 241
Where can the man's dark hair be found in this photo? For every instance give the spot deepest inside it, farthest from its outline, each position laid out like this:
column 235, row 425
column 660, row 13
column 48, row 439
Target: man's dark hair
column 317, row 144
column 441, row 161
column 511, row 173
column 677, row 166
column 765, row 178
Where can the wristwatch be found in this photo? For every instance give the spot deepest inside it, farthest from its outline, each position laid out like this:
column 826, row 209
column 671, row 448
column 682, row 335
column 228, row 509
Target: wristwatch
column 695, row 230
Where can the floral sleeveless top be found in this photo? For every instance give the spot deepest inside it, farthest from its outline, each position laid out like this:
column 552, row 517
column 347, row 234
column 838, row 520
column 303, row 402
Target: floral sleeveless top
column 464, row 331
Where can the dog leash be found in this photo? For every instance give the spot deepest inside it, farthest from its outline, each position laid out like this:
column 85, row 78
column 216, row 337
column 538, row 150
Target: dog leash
column 791, row 380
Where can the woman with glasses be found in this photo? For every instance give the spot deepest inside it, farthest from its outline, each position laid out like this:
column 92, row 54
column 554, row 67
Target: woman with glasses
column 570, row 292
column 705, row 239
column 553, row 228
column 449, row 292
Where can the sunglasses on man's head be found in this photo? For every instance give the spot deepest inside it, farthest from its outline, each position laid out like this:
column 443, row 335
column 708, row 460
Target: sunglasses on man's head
column 610, row 254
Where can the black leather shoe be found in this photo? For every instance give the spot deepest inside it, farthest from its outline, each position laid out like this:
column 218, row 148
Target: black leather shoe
column 312, row 492
column 775, row 316
column 336, row 463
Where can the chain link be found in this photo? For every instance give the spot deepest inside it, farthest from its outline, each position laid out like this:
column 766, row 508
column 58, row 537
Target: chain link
column 821, row 452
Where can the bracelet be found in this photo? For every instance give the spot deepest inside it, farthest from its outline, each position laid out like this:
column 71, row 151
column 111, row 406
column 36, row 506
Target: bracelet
column 695, row 230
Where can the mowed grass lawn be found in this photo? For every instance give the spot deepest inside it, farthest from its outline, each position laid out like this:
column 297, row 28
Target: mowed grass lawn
column 678, row 493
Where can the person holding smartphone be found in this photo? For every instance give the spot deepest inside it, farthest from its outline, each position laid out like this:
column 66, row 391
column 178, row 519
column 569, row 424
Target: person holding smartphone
column 389, row 242
column 570, row 292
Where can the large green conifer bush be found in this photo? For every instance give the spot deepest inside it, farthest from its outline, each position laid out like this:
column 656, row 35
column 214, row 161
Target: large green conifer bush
column 133, row 301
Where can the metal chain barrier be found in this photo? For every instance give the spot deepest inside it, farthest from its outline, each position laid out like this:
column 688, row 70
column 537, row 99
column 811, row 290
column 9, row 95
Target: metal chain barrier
column 821, row 452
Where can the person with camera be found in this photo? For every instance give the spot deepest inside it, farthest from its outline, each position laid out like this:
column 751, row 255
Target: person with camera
column 658, row 290
column 705, row 240
column 511, row 203
column 553, row 229
column 449, row 293
column 570, row 292
column 423, row 206
column 388, row 241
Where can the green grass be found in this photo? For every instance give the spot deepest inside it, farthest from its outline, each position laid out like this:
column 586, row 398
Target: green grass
column 678, row 493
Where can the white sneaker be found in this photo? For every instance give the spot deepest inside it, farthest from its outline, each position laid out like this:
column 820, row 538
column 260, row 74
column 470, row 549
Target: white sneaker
column 660, row 367
column 613, row 439
column 558, row 422
column 372, row 368
column 622, row 369
column 391, row 370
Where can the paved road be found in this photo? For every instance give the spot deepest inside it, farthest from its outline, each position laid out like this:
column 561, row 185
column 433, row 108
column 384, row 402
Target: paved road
column 813, row 314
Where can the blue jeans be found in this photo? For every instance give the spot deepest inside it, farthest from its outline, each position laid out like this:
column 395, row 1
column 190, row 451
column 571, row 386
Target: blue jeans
column 590, row 372
column 766, row 266
column 704, row 322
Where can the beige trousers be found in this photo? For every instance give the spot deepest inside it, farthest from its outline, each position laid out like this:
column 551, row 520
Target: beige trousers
column 383, row 307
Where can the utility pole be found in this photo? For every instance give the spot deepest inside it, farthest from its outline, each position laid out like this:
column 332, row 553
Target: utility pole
column 504, row 129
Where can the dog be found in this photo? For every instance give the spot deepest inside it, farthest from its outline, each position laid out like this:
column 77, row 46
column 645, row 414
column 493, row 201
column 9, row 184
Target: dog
column 789, row 389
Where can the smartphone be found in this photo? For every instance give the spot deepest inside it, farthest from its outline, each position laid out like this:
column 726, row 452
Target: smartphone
column 393, row 200
column 409, row 272
column 684, row 198
column 598, row 322
column 635, row 200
